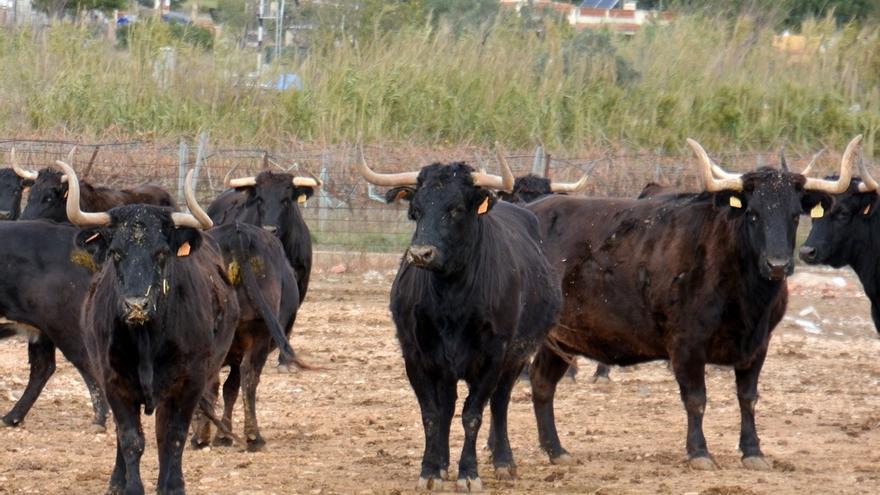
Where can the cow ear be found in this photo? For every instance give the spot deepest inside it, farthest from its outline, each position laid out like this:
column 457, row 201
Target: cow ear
column 185, row 241
column 734, row 201
column 484, row 200
column 869, row 204
column 302, row 193
column 405, row 193
column 95, row 242
column 505, row 196
column 816, row 204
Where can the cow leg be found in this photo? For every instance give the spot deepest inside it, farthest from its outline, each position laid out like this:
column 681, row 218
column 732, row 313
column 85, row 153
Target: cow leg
column 546, row 371
column 172, row 423
column 251, row 368
column 747, row 393
column 126, row 477
column 691, row 376
column 201, row 436
column 99, row 402
column 230, row 395
column 433, row 418
column 447, row 394
column 471, row 419
column 41, row 356
column 601, row 374
column 502, row 456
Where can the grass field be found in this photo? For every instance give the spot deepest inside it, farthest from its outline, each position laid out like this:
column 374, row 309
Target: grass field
column 716, row 79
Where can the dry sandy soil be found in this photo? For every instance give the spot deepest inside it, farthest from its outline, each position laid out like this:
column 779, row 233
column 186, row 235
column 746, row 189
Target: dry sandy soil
column 353, row 426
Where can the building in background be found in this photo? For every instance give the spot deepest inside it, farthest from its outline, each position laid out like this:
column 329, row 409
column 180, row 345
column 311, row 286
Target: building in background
column 15, row 12
column 621, row 16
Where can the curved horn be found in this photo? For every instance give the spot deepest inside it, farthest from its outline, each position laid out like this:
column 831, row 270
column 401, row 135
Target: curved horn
column 70, row 162
column 198, row 219
column 240, row 182
column 21, row 172
column 846, row 166
column 306, row 182
column 782, row 163
column 809, row 167
column 74, row 213
column 401, row 179
column 868, row 183
column 709, row 181
column 570, row 187
column 504, row 182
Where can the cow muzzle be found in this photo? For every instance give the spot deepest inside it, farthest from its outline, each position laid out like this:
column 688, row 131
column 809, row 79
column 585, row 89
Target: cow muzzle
column 270, row 228
column 778, row 268
column 808, row 254
column 5, row 214
column 135, row 309
column 422, row 256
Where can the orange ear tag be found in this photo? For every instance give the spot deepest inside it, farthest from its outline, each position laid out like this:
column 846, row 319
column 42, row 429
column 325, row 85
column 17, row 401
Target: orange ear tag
column 301, row 199
column 484, row 206
column 93, row 237
column 183, row 250
column 866, row 210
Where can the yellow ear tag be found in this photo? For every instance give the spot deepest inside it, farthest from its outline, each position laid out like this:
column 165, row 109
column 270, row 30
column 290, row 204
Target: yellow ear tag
column 183, row 250
column 866, row 210
column 817, row 211
column 484, row 206
column 735, row 202
column 301, row 199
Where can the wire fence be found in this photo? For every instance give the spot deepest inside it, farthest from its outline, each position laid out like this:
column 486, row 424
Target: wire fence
column 347, row 214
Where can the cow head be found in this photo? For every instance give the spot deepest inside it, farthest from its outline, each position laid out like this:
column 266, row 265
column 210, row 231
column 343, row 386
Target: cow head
column 532, row 187
column 768, row 204
column 48, row 195
column 839, row 230
column 448, row 203
column 135, row 245
column 13, row 182
column 271, row 198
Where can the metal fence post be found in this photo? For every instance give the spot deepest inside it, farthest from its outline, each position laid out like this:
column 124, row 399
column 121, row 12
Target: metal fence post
column 536, row 165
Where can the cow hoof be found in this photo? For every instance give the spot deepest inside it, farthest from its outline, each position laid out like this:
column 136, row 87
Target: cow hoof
column 222, row 441
column 756, row 463
column 601, row 379
column 469, row 485
column 444, row 474
column 199, row 444
column 97, row 429
column 256, row 444
column 505, row 473
column 430, row 484
column 564, row 459
column 702, row 463
column 115, row 489
column 10, row 421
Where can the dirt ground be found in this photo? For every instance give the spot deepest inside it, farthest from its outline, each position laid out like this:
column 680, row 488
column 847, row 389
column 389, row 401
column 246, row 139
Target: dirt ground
column 353, row 427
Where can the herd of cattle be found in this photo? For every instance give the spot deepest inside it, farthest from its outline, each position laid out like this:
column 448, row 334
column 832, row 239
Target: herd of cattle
column 149, row 303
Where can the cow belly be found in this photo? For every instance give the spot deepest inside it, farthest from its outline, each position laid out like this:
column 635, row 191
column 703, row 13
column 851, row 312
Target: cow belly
column 608, row 342
column 9, row 327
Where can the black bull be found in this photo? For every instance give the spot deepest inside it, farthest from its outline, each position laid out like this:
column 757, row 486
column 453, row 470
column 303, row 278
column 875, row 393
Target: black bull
column 11, row 189
column 473, row 298
column 43, row 281
column 693, row 278
column 159, row 318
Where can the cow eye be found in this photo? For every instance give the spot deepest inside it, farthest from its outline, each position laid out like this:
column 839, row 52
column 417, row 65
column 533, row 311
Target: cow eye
column 753, row 217
column 456, row 211
column 415, row 213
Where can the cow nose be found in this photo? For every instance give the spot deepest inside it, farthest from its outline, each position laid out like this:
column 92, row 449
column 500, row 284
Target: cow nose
column 778, row 268
column 421, row 255
column 270, row 228
column 5, row 214
column 807, row 253
column 135, row 303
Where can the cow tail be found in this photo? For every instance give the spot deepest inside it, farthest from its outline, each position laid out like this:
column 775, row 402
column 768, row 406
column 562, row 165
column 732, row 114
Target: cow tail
column 208, row 410
column 145, row 369
column 252, row 288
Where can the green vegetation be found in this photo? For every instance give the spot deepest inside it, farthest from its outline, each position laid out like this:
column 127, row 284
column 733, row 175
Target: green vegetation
column 715, row 78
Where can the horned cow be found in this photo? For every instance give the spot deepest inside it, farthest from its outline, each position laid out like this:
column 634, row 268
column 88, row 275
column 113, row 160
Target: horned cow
column 473, row 298
column 692, row 278
column 159, row 318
